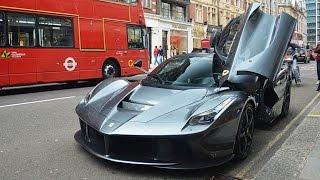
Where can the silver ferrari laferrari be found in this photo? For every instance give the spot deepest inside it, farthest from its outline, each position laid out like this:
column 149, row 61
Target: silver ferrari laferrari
column 194, row 110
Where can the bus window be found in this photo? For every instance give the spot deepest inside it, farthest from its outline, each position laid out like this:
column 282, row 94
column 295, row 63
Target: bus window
column 21, row 30
column 55, row 32
column 135, row 37
column 2, row 33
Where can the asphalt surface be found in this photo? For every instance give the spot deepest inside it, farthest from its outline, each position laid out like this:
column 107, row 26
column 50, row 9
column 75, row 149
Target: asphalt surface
column 37, row 125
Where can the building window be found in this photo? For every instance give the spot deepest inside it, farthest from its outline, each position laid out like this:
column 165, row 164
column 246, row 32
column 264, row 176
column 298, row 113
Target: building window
column 21, row 30
column 211, row 16
column 199, row 13
column 55, row 32
column 123, row 1
column 227, row 18
column 166, row 10
column 2, row 32
column 179, row 13
column 135, row 37
column 147, row 4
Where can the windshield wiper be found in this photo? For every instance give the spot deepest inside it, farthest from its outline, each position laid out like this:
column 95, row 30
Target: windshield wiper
column 156, row 76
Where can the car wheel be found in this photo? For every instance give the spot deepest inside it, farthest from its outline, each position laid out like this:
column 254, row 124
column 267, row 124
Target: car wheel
column 286, row 101
column 110, row 69
column 72, row 83
column 244, row 136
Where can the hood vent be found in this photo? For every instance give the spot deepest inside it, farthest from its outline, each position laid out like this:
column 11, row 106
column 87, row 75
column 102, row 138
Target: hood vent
column 132, row 106
column 127, row 104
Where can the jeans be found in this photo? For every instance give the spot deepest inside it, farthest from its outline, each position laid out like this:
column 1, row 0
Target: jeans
column 318, row 69
column 160, row 59
column 156, row 60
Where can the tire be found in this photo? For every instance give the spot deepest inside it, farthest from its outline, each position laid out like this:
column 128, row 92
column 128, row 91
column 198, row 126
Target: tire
column 72, row 83
column 286, row 102
column 110, row 69
column 244, row 136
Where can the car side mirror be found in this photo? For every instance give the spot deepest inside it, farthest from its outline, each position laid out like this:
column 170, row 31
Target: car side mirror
column 138, row 63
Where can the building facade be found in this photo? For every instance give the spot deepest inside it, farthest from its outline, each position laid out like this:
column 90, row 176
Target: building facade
column 168, row 26
column 297, row 9
column 313, row 21
column 208, row 16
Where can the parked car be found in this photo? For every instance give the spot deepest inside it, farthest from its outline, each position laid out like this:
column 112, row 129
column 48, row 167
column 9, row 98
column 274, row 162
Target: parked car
column 302, row 55
column 310, row 54
column 195, row 110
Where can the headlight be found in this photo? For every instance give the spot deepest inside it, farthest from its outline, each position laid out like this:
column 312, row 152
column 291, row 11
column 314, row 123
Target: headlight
column 88, row 97
column 209, row 116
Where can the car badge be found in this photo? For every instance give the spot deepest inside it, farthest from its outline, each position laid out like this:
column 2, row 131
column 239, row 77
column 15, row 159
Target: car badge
column 225, row 72
column 111, row 125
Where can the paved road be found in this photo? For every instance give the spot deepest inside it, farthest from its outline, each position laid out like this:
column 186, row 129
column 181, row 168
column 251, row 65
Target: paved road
column 37, row 126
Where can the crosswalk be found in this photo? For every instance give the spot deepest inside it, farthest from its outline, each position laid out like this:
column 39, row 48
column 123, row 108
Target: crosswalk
column 307, row 68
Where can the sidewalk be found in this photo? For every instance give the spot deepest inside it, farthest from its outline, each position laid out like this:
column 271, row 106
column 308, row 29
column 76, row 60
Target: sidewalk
column 299, row 156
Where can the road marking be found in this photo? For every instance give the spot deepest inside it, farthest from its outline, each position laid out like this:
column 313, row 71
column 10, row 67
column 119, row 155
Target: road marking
column 314, row 115
column 34, row 102
column 248, row 167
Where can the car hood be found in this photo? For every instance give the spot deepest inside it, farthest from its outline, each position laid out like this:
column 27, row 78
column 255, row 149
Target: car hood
column 258, row 47
column 135, row 104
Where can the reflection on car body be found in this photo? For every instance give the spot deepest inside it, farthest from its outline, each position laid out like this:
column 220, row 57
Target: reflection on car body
column 195, row 110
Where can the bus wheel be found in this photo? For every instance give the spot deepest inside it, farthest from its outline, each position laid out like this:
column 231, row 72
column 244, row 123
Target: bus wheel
column 110, row 69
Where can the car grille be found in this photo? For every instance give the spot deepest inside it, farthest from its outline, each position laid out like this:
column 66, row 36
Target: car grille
column 134, row 148
column 95, row 138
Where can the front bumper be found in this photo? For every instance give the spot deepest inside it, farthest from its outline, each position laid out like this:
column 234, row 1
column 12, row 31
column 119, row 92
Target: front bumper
column 302, row 58
column 183, row 152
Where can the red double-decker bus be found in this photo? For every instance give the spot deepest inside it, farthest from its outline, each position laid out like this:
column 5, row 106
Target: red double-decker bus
column 44, row 41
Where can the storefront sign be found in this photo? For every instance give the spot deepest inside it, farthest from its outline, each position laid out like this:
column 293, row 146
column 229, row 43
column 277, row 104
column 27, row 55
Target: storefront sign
column 179, row 26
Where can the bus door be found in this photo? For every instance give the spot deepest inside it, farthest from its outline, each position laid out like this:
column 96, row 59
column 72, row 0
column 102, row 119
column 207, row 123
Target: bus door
column 136, row 43
column 22, row 41
column 4, row 68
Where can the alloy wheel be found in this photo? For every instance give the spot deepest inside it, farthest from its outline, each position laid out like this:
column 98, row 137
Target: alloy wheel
column 246, row 131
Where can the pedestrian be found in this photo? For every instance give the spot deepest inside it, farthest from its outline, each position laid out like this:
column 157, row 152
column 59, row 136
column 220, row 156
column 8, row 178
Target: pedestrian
column 317, row 58
column 155, row 55
column 160, row 54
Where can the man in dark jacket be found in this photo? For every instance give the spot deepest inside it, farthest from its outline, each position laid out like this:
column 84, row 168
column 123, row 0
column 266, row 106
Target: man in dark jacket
column 317, row 58
column 161, row 54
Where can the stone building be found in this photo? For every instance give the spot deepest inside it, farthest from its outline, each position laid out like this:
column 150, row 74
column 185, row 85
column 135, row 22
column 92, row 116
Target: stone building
column 297, row 9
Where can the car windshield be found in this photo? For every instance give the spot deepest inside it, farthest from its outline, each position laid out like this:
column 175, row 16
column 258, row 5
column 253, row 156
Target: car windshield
column 194, row 70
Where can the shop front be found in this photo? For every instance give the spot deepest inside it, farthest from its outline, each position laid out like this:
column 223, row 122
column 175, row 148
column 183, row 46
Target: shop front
column 173, row 36
column 179, row 39
column 198, row 34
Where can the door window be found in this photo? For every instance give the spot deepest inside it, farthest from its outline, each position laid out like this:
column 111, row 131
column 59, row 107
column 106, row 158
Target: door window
column 135, row 37
column 2, row 32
